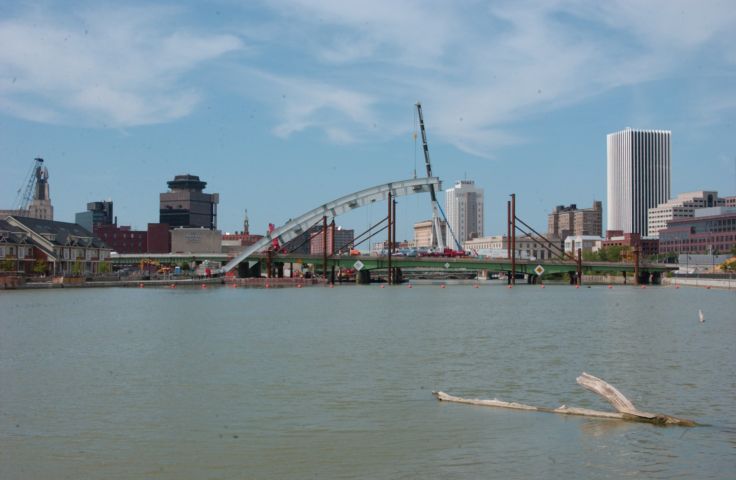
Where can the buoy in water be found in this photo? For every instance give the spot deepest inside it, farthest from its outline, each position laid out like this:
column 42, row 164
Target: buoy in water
column 443, row 286
column 140, row 285
column 383, row 286
column 408, row 286
column 173, row 285
column 610, row 286
column 204, row 285
column 541, row 286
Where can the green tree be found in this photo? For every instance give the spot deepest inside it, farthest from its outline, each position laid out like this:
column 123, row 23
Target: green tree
column 77, row 268
column 104, row 267
column 40, row 266
column 7, row 265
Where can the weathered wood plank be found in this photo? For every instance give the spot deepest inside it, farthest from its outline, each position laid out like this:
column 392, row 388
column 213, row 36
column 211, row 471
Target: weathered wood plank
column 626, row 409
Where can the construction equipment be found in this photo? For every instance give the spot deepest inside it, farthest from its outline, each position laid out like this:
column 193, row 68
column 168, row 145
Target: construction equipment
column 25, row 192
column 436, row 209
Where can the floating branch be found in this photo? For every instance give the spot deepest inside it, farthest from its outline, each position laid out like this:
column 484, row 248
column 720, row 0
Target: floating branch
column 625, row 409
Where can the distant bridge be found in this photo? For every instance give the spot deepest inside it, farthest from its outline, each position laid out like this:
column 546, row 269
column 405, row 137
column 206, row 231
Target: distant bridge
column 372, row 262
column 262, row 252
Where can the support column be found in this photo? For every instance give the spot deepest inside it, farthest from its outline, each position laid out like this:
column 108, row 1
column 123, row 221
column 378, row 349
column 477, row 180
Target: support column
column 636, row 266
column 269, row 257
column 363, row 277
column 390, row 226
column 393, row 230
column 579, row 267
column 332, row 240
column 513, row 239
column 324, row 246
column 508, row 229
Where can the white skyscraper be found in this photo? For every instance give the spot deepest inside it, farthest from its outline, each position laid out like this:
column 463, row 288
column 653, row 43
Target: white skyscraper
column 464, row 205
column 638, row 177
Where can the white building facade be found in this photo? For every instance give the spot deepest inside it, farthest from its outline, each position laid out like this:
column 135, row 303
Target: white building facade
column 681, row 207
column 464, row 210
column 586, row 243
column 638, row 177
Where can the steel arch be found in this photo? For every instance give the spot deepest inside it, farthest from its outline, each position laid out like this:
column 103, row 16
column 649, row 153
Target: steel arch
column 332, row 209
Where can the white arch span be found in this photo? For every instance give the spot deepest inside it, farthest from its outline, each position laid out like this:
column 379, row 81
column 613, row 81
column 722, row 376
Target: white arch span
column 294, row 227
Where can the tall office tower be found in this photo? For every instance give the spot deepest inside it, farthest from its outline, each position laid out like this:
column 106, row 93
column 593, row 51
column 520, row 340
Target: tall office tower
column 186, row 205
column 638, row 177
column 464, row 204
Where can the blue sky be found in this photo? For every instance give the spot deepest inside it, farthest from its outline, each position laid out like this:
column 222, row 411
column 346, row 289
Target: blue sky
column 284, row 105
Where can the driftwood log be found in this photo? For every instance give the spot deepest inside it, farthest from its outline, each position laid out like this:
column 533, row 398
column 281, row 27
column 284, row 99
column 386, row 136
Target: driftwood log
column 625, row 410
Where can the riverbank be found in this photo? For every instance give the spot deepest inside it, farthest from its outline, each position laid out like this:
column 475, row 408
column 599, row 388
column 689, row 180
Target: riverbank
column 725, row 283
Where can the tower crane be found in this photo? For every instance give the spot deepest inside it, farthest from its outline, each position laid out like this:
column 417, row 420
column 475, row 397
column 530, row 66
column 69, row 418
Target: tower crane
column 25, row 192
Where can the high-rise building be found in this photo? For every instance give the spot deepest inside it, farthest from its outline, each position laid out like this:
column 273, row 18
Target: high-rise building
column 570, row 220
column 186, row 205
column 464, row 209
column 638, row 179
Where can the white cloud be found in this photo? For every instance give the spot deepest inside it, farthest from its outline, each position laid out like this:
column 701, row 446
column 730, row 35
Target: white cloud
column 480, row 68
column 120, row 67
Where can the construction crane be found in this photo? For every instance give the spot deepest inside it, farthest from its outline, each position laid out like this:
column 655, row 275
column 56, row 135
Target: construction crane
column 25, row 192
column 436, row 225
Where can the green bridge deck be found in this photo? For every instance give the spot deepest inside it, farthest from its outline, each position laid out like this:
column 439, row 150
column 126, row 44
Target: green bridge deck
column 373, row 262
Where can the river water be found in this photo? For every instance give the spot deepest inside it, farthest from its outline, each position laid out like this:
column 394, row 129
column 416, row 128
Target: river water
column 224, row 383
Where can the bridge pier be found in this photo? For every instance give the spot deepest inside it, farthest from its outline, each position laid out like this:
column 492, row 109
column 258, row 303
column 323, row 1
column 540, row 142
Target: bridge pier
column 246, row 271
column 397, row 276
column 363, row 277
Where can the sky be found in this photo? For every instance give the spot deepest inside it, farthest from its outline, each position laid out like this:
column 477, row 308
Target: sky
column 281, row 106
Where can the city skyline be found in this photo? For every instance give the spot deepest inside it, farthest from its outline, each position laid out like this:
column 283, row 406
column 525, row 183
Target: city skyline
column 282, row 107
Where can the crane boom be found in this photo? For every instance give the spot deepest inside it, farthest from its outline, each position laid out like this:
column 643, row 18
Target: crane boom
column 25, row 192
column 436, row 225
